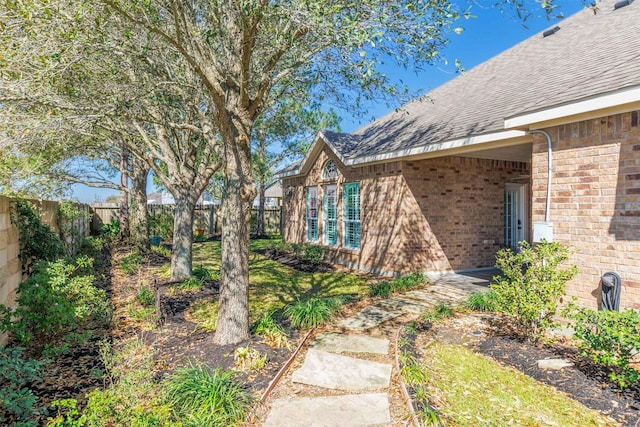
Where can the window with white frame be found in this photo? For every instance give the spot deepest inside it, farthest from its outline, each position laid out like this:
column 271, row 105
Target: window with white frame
column 311, row 214
column 330, row 170
column 351, row 215
column 330, row 215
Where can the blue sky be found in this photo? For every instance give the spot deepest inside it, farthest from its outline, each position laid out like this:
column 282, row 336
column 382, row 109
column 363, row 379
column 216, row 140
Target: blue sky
column 486, row 35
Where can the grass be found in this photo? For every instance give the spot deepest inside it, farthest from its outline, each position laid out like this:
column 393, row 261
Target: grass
column 404, row 283
column 313, row 312
column 272, row 332
column 439, row 312
column 274, row 285
column 457, row 376
column 207, row 398
column 205, row 314
column 482, row 301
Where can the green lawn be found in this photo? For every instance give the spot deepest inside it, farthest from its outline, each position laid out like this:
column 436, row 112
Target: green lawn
column 274, row 285
column 469, row 389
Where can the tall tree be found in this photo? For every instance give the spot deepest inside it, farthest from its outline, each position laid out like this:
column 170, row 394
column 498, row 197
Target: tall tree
column 248, row 52
column 284, row 131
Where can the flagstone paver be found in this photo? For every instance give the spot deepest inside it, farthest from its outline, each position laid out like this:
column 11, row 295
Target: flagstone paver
column 369, row 317
column 322, row 367
column 329, row 370
column 330, row 411
column 340, row 343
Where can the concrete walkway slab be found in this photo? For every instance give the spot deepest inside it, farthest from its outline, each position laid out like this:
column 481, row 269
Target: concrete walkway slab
column 341, row 343
column 331, row 411
column 369, row 317
column 328, row 370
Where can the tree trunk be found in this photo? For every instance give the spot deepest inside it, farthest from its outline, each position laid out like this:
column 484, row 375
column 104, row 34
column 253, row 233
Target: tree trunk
column 261, row 202
column 181, row 256
column 123, row 211
column 140, row 224
column 237, row 197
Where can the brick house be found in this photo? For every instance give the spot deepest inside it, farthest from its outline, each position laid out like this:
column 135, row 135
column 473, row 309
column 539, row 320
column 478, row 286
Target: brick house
column 447, row 180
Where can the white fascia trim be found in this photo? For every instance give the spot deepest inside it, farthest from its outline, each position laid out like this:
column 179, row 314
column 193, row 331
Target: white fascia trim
column 445, row 145
column 614, row 99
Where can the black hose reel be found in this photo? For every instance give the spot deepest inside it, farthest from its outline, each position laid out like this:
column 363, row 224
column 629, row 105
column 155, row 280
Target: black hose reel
column 610, row 283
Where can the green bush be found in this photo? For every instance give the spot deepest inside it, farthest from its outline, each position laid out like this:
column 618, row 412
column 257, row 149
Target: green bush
column 37, row 240
column 130, row 263
column 531, row 284
column 161, row 224
column 313, row 312
column 110, row 231
column 191, row 284
column 611, row 338
column 53, row 299
column 201, row 397
column 17, row 402
column 482, row 301
column 381, row 289
column 202, row 273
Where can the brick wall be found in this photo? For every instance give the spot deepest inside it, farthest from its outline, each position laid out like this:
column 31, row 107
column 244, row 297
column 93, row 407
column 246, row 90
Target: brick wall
column 595, row 206
column 430, row 215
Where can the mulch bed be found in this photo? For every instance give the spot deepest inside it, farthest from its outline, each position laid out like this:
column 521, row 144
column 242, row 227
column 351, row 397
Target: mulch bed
column 585, row 382
column 289, row 260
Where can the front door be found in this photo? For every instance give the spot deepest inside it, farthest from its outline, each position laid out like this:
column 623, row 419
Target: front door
column 515, row 214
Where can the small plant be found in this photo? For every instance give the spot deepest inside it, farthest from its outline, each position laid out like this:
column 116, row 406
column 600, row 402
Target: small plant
column 202, row 273
column 161, row 224
column 249, row 359
column 531, row 284
column 611, row 338
column 199, row 238
column 404, row 283
column 437, row 313
column 17, row 401
column 313, row 253
column 207, row 398
column 146, row 297
column 130, row 263
column 411, row 371
column 313, row 312
column 482, row 301
column 110, row 231
column 191, row 284
column 270, row 330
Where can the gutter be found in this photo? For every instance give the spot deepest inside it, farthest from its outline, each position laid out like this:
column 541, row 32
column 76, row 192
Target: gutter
column 547, row 211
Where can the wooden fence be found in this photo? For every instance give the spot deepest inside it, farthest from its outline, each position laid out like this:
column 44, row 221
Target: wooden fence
column 205, row 217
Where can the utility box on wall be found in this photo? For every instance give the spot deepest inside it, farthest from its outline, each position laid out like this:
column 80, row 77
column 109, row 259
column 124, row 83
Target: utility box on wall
column 542, row 230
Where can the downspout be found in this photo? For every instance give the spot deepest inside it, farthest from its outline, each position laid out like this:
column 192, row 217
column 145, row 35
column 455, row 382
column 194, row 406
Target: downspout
column 547, row 212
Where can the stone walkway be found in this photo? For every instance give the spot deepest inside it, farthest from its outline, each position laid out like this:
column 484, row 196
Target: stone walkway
column 352, row 389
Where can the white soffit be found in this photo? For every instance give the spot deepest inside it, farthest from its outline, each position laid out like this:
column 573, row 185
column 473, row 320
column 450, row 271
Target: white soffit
column 626, row 97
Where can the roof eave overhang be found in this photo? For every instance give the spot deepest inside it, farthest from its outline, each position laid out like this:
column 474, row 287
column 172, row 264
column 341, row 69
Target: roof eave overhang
column 611, row 103
column 307, row 161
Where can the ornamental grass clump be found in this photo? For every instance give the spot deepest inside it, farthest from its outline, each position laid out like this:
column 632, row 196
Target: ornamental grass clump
column 202, row 397
column 313, row 312
column 532, row 282
column 272, row 332
column 482, row 301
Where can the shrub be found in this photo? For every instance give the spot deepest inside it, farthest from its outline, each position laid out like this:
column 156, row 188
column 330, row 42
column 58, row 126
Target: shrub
column 161, row 224
column 110, row 231
column 54, row 298
column 202, row 273
column 130, row 263
column 532, row 283
column 270, row 330
column 482, row 301
column 313, row 312
column 381, row 289
column 313, row 253
column 37, row 240
column 204, row 398
column 611, row 338
column 17, row 401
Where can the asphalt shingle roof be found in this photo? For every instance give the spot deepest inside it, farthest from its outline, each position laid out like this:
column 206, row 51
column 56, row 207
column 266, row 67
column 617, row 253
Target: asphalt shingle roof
column 591, row 54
